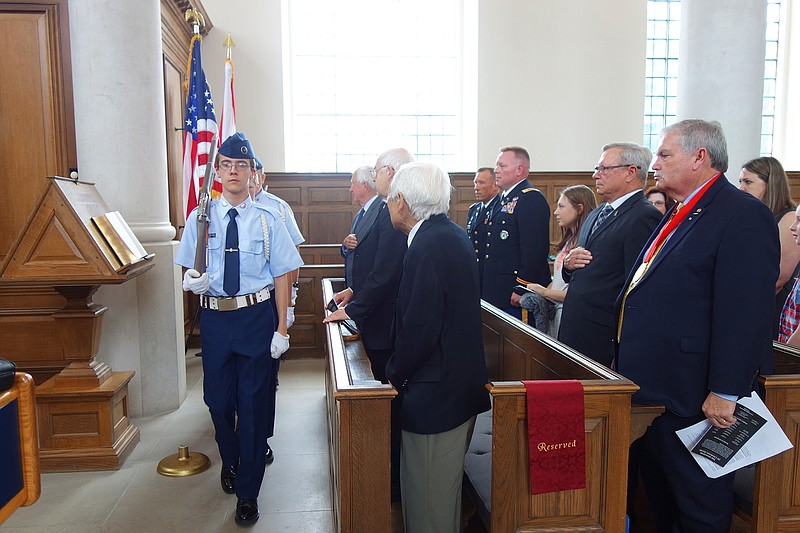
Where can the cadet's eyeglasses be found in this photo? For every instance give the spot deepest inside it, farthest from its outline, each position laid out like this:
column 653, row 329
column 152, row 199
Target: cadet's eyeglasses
column 240, row 165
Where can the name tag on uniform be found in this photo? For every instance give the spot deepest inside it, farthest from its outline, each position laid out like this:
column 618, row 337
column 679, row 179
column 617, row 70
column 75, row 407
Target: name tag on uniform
column 212, row 235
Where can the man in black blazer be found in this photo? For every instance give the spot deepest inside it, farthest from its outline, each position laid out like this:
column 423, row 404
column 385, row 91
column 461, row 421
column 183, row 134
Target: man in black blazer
column 438, row 363
column 377, row 260
column 372, row 293
column 518, row 238
column 608, row 244
column 695, row 319
column 481, row 213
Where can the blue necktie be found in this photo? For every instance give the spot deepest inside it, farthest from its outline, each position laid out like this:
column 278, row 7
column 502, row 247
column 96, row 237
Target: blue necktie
column 230, row 281
column 604, row 212
column 359, row 216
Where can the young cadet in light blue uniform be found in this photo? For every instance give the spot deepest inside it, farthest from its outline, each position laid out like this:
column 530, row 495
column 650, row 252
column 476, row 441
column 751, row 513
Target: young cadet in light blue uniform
column 282, row 209
column 237, row 365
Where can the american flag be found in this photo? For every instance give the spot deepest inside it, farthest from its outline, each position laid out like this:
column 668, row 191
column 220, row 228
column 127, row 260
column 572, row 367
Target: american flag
column 199, row 124
column 227, row 120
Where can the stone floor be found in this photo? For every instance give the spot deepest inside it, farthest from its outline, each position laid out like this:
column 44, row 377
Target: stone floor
column 295, row 496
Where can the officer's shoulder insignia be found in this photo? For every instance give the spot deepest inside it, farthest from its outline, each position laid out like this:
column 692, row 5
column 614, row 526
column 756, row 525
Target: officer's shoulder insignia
column 473, row 205
column 529, row 189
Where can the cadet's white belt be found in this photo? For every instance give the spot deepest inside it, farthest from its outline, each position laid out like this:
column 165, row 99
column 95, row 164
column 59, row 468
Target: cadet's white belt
column 234, row 302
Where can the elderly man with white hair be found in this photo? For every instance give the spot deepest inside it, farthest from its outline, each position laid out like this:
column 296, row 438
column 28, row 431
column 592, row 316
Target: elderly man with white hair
column 437, row 363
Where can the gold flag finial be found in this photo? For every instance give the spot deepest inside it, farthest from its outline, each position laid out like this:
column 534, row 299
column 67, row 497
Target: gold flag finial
column 229, row 44
column 196, row 18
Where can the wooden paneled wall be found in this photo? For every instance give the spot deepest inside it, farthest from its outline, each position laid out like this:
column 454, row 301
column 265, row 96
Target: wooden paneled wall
column 36, row 110
column 324, row 211
column 324, row 208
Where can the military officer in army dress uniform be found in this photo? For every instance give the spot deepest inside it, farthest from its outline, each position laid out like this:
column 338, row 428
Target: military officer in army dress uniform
column 518, row 241
column 249, row 254
column 481, row 213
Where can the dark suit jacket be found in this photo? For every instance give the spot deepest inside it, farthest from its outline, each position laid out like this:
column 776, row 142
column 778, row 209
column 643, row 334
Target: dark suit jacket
column 364, row 227
column 587, row 320
column 478, row 219
column 438, row 364
column 700, row 318
column 377, row 261
column 518, row 243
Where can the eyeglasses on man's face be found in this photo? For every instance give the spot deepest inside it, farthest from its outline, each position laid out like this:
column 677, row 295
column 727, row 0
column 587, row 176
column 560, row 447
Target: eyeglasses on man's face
column 374, row 171
column 240, row 165
column 600, row 169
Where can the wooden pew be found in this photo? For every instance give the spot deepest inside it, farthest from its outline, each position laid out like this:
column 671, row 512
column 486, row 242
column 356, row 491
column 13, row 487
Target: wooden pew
column 18, row 407
column 515, row 351
column 358, row 432
column 775, row 503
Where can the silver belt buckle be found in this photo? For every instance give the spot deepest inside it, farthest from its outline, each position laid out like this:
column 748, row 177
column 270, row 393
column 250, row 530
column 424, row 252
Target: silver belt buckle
column 234, row 303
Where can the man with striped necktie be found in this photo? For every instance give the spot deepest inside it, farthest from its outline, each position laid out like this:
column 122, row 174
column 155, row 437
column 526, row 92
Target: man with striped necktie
column 608, row 244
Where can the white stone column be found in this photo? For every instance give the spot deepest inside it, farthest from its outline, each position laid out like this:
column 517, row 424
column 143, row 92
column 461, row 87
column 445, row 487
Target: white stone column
column 120, row 126
column 721, row 72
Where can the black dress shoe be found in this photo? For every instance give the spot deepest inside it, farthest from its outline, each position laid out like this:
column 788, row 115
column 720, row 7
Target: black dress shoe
column 227, row 479
column 270, row 457
column 246, row 512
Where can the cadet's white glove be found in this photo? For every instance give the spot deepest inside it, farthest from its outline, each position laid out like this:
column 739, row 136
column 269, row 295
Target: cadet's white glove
column 280, row 343
column 289, row 317
column 193, row 281
column 294, row 297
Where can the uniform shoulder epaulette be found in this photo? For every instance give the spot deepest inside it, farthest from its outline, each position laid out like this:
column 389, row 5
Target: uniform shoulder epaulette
column 271, row 210
column 273, row 196
column 529, row 189
column 473, row 205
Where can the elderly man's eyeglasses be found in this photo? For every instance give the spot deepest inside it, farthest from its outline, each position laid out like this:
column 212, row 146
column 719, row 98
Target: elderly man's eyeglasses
column 240, row 165
column 374, row 171
column 600, row 169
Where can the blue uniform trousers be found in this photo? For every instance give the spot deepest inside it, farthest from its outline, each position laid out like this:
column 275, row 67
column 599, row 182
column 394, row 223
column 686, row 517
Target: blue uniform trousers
column 237, row 369
column 273, row 379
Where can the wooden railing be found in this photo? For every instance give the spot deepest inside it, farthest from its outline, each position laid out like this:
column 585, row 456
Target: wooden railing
column 358, row 431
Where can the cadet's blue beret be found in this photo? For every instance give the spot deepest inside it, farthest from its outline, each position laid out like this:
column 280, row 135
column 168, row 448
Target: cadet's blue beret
column 237, row 147
column 259, row 166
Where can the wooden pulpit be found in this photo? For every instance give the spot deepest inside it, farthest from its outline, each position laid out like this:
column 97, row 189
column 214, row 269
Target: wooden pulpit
column 71, row 244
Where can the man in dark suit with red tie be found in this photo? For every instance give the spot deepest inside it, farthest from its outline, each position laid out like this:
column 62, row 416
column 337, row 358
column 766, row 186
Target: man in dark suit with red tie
column 608, row 244
column 694, row 320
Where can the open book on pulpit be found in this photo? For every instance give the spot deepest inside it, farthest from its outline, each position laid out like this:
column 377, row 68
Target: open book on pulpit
column 120, row 239
column 73, row 238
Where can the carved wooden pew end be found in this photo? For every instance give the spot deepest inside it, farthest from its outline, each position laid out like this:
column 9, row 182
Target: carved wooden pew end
column 497, row 463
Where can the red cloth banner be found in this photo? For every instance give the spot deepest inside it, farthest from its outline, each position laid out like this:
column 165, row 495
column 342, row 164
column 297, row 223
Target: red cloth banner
column 556, row 435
